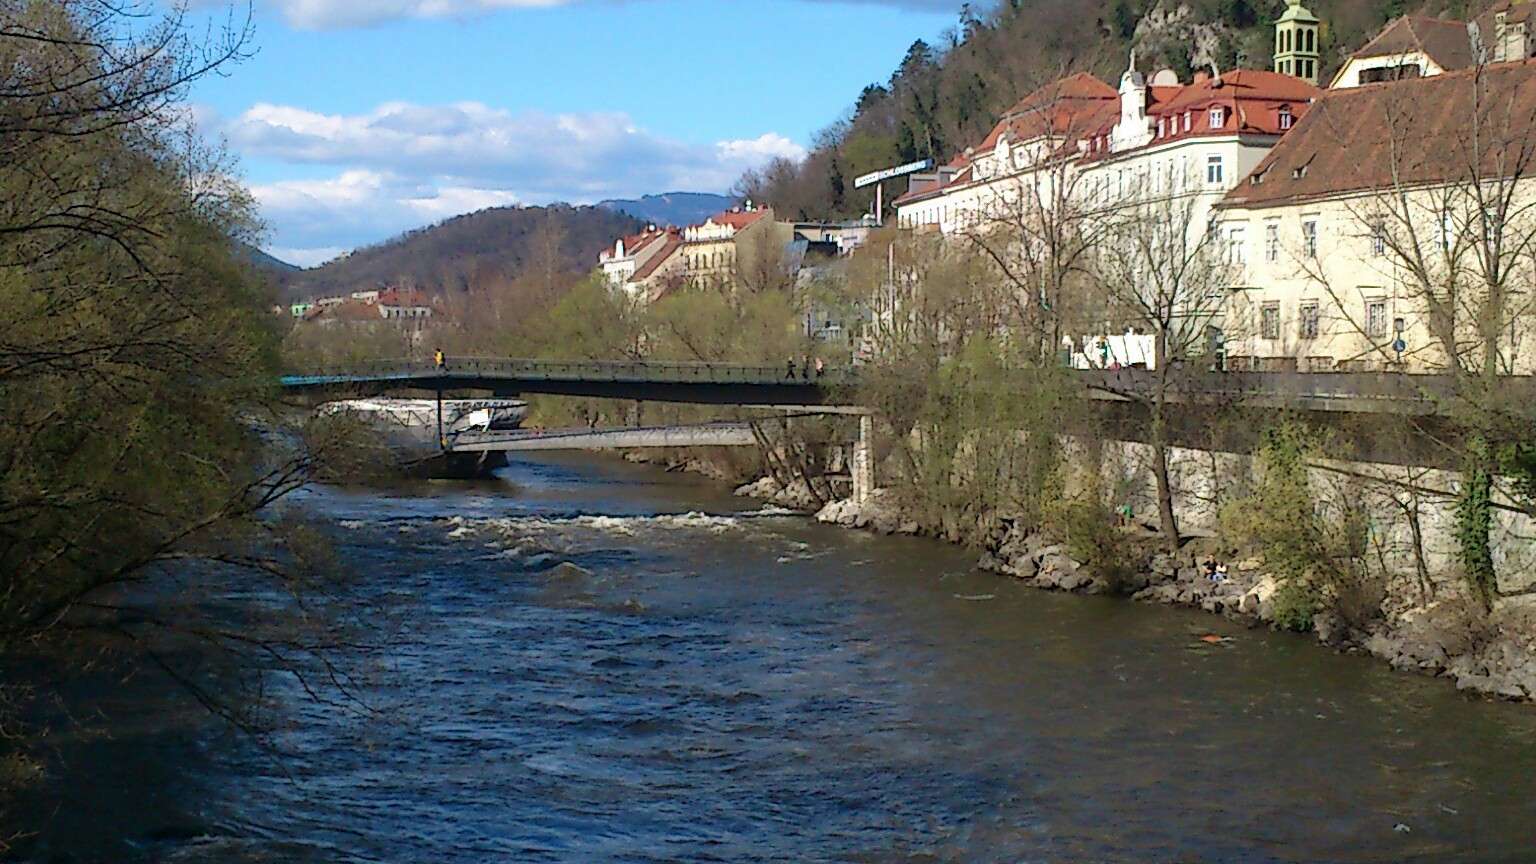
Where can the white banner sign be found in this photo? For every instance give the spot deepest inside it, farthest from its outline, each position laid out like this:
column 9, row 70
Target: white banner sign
column 877, row 176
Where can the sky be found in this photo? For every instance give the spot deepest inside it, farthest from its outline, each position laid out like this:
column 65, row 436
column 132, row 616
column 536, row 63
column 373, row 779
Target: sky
column 358, row 119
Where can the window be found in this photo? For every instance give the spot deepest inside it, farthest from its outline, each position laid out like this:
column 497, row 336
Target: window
column 1390, row 73
column 1189, row 120
column 1269, row 321
column 1309, row 320
column 1160, row 127
column 1213, row 171
column 1237, row 246
column 1286, row 117
column 1272, row 241
column 1218, row 117
column 1378, row 240
column 1376, row 318
column 1309, row 238
column 1447, row 232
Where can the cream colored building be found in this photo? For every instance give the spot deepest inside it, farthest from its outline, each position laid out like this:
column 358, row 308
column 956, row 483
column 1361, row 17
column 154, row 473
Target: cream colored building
column 1382, row 221
column 717, row 250
column 1079, row 142
column 632, row 255
column 1081, row 153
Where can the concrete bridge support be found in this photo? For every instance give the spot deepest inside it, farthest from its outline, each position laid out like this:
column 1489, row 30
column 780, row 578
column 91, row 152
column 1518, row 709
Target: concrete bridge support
column 863, row 468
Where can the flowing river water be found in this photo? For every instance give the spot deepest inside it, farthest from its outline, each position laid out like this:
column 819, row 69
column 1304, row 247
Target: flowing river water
column 595, row 662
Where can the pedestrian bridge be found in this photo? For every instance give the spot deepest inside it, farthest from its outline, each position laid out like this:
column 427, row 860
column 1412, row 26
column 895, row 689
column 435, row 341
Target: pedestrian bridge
column 697, row 383
column 727, row 434
column 835, row 390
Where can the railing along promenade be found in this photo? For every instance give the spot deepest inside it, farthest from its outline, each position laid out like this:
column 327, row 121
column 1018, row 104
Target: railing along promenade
column 636, row 372
column 723, row 383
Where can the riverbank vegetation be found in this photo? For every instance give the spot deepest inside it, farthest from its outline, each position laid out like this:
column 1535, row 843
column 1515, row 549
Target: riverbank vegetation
column 137, row 363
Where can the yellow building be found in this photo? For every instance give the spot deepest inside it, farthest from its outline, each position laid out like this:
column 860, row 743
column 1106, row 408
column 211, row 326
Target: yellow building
column 726, row 248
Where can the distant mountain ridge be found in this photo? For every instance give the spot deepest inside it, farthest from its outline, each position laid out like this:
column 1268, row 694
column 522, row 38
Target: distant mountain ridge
column 266, row 263
column 672, row 208
column 477, row 251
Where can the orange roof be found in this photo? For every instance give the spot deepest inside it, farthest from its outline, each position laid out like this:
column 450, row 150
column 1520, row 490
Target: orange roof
column 674, row 242
column 404, row 297
column 738, row 219
column 1064, row 107
column 1414, row 131
column 635, row 242
column 1255, row 100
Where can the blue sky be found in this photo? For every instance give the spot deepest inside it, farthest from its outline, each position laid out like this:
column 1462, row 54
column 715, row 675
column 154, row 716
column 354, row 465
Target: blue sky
column 357, row 119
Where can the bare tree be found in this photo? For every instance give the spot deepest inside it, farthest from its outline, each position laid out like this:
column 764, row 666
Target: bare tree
column 1449, row 219
column 1165, row 272
column 1036, row 219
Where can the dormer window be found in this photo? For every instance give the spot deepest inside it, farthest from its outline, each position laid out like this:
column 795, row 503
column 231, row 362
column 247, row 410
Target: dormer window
column 1160, row 127
column 1286, row 117
column 1189, row 120
column 1218, row 117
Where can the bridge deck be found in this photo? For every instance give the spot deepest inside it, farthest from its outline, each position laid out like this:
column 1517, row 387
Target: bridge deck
column 732, row 434
column 835, row 389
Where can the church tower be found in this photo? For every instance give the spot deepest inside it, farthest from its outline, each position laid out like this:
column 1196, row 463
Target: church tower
column 1296, row 50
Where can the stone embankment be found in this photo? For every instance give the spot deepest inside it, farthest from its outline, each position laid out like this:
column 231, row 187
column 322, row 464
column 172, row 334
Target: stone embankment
column 1493, row 654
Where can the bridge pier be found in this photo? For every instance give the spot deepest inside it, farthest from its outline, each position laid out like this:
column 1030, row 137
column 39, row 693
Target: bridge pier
column 863, row 468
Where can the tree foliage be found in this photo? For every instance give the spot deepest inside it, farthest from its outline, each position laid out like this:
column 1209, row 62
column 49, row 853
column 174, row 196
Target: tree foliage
column 137, row 356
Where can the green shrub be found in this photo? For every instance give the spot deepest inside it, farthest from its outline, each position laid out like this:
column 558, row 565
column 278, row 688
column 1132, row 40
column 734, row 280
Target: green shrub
column 1315, row 544
column 1087, row 528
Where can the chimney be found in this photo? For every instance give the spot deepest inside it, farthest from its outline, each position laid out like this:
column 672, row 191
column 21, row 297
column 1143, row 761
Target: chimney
column 1202, row 76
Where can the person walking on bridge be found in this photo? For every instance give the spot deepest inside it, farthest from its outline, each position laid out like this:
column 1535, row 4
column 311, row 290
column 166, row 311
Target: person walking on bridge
column 820, row 367
column 789, row 368
column 438, row 359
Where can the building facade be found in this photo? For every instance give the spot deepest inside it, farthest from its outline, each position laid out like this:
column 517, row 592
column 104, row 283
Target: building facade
column 1390, row 225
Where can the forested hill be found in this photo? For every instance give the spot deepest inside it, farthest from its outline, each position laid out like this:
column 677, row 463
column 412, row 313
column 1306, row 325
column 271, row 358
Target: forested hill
column 483, row 251
column 944, row 97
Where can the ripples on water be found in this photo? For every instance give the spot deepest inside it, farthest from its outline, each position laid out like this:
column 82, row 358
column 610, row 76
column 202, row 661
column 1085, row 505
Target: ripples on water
column 576, row 678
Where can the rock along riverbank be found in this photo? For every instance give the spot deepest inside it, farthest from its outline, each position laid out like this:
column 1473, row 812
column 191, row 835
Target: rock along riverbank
column 1492, row 655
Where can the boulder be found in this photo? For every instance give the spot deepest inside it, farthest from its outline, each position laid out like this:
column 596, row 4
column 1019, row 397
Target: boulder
column 1258, row 601
column 764, row 488
column 845, row 513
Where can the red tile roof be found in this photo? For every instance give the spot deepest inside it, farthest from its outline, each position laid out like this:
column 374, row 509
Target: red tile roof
column 635, row 242
column 1254, row 99
column 1414, row 131
column 1081, row 107
column 407, row 297
column 738, row 219
column 674, row 242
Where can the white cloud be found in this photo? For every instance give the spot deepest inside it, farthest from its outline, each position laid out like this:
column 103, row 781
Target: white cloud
column 305, row 257
column 761, row 149
column 403, row 164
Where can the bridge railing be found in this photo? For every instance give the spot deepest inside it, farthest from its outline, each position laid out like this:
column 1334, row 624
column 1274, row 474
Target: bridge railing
column 586, row 370
column 1368, row 391
column 1282, row 386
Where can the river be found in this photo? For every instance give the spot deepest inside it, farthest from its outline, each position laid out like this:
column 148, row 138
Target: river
column 597, row 662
